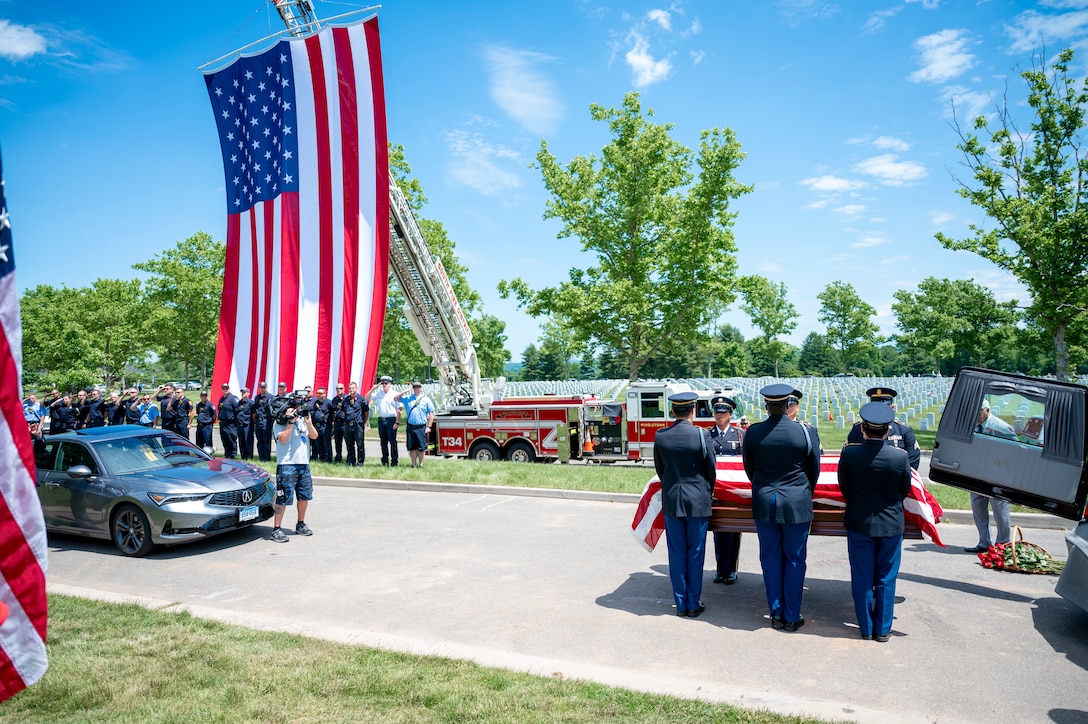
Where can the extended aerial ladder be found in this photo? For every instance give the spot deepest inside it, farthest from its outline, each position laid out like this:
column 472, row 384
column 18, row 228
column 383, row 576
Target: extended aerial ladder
column 432, row 309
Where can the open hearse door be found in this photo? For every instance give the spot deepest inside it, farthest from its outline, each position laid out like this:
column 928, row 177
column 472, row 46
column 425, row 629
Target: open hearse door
column 1021, row 439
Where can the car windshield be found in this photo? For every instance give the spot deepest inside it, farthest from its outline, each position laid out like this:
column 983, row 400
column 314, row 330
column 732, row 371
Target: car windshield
column 145, row 453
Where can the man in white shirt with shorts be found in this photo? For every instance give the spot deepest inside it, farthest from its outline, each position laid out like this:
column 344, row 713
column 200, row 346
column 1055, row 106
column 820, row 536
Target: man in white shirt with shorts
column 292, row 436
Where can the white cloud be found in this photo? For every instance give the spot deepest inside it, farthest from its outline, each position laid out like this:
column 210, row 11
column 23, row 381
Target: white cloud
column 891, row 143
column 482, row 165
column 521, row 90
column 927, row 4
column 647, row 70
column 1032, row 29
column 890, row 171
column 697, row 56
column 832, row 183
column 695, row 28
column 944, row 56
column 19, row 42
column 850, row 209
column 878, row 19
column 895, row 259
column 869, row 241
column 818, row 204
column 966, row 103
column 661, row 17
column 940, row 218
column 799, row 11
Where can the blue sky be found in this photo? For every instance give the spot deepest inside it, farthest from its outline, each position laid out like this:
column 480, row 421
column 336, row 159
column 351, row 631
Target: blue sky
column 843, row 109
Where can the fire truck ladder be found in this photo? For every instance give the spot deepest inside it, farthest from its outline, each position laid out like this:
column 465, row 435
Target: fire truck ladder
column 432, row 308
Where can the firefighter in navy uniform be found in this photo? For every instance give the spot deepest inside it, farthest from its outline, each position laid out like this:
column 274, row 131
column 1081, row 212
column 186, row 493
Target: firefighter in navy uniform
column 320, row 410
column 184, row 408
column 205, row 419
column 899, row 435
column 335, row 424
column 245, row 425
column 725, row 440
column 62, row 415
column 227, row 412
column 168, row 416
column 262, row 422
column 356, row 415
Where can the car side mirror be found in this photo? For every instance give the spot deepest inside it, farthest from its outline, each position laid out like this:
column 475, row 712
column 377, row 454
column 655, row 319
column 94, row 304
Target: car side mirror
column 80, row 471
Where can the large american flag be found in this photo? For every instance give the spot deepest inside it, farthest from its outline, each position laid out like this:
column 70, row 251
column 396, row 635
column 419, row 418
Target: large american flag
column 302, row 129
column 22, row 529
column 733, row 487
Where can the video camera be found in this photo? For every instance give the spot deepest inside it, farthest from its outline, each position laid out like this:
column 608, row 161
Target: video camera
column 298, row 401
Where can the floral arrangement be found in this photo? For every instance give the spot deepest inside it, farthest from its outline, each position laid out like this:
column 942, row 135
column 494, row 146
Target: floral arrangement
column 1022, row 557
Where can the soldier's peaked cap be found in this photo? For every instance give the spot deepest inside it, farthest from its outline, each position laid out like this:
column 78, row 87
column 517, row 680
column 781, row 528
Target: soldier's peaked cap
column 876, row 414
column 723, row 404
column 779, row 392
column 881, row 393
column 683, row 398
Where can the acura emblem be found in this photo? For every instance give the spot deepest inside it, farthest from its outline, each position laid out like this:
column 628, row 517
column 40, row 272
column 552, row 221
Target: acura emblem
column 247, row 496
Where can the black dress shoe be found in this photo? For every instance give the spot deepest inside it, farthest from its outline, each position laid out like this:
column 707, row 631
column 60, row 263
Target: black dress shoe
column 680, row 613
column 719, row 578
column 697, row 612
column 976, row 549
column 776, row 620
column 731, row 578
column 865, row 637
column 792, row 626
column 882, row 638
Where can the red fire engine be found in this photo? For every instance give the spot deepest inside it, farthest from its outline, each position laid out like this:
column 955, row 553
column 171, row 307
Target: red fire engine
column 525, row 429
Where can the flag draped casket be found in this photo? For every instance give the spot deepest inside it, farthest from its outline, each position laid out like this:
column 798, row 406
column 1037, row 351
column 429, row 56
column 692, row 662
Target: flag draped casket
column 302, row 129
column 733, row 493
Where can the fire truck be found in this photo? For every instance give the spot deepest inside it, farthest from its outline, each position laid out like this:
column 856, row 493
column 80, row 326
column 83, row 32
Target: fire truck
column 527, row 429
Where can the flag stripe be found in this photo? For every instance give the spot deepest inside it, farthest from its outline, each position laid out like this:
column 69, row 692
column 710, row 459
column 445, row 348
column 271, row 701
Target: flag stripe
column 314, row 52
column 349, row 132
column 379, row 225
column 228, row 308
column 255, row 298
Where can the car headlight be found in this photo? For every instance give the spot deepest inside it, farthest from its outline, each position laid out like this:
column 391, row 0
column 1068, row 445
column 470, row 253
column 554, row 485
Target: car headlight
column 161, row 499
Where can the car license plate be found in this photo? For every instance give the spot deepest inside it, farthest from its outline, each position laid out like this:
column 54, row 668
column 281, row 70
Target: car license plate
column 248, row 513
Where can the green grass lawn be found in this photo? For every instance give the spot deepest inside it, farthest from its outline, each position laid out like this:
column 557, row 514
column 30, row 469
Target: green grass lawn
column 123, row 663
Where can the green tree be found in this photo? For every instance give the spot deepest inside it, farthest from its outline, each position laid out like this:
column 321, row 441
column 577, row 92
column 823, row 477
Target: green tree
column 818, row 357
column 661, row 234
column 1032, row 185
column 957, row 321
column 847, row 318
column 57, row 349
column 771, row 313
column 116, row 316
column 732, row 358
column 184, row 291
column 489, row 335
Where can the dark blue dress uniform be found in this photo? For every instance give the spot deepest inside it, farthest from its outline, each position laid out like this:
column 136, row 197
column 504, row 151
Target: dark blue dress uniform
column 168, row 415
column 874, row 479
column 184, row 409
column 320, row 411
column 726, row 545
column 686, row 466
column 245, row 426
column 262, row 423
column 336, row 436
column 899, row 435
column 62, row 417
column 93, row 411
column 782, row 459
column 355, row 410
column 132, row 411
column 227, row 413
column 205, row 419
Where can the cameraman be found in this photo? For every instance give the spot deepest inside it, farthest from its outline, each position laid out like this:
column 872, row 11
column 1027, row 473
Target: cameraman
column 293, row 432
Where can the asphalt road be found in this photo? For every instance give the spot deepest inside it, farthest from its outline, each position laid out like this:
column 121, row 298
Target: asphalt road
column 560, row 588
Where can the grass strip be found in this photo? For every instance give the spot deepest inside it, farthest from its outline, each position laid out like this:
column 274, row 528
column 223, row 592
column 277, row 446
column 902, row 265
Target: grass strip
column 123, row 663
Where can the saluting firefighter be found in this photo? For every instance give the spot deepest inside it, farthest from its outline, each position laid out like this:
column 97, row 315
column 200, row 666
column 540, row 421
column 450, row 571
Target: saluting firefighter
column 899, row 435
column 874, row 479
column 686, row 467
column 725, row 440
column 782, row 459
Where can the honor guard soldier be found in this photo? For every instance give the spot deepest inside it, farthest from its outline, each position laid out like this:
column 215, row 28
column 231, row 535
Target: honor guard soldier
column 899, row 435
column 205, row 419
column 725, row 440
column 782, row 459
column 687, row 469
column 262, row 422
column 874, row 478
column 227, row 412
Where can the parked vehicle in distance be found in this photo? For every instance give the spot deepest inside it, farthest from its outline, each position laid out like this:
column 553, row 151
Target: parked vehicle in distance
column 141, row 487
column 192, row 385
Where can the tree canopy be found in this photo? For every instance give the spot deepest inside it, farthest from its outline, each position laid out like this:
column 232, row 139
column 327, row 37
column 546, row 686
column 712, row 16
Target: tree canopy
column 656, row 217
column 847, row 316
column 1032, row 186
column 771, row 312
